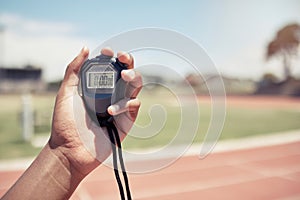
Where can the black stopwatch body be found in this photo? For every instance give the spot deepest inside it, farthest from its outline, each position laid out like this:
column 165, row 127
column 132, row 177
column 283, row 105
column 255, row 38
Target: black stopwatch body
column 101, row 85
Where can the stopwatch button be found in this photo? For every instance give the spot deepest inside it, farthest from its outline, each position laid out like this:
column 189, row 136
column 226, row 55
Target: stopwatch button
column 124, row 66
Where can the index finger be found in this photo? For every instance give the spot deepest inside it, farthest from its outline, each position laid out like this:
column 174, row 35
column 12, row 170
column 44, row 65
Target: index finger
column 126, row 58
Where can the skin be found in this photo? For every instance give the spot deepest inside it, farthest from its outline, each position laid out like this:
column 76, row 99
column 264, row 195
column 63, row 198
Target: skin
column 65, row 160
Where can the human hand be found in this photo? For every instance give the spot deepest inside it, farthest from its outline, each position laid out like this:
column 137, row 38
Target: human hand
column 76, row 136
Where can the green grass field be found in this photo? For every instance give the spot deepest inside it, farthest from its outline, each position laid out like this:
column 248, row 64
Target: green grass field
column 11, row 142
column 240, row 122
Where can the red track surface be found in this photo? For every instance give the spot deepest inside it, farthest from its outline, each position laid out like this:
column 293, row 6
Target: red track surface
column 261, row 173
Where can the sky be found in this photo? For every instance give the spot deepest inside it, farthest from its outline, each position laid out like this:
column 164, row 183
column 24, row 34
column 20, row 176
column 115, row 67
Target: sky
column 234, row 33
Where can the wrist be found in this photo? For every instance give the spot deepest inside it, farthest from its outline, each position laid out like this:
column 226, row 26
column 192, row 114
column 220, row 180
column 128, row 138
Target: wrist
column 61, row 170
column 74, row 157
column 50, row 176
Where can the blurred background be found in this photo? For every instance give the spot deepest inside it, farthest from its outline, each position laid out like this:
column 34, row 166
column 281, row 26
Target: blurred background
column 254, row 45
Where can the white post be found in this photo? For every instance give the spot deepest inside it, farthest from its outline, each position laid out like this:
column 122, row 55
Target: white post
column 27, row 117
column 2, row 45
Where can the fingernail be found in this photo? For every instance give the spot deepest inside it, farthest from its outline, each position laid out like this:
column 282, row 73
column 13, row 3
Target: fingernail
column 130, row 73
column 114, row 109
column 120, row 53
column 84, row 50
column 107, row 51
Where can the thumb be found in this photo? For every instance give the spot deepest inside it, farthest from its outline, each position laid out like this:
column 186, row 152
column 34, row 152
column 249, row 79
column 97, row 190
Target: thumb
column 71, row 74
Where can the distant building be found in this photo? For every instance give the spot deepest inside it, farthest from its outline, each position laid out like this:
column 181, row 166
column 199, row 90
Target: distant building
column 217, row 83
column 269, row 86
column 19, row 80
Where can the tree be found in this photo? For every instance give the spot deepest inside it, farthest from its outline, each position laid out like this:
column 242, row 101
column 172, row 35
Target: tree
column 285, row 45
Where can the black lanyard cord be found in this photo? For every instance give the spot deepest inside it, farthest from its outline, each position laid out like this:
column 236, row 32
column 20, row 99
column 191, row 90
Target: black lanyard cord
column 117, row 151
column 115, row 130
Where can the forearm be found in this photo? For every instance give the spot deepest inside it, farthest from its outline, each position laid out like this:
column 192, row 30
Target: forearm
column 50, row 176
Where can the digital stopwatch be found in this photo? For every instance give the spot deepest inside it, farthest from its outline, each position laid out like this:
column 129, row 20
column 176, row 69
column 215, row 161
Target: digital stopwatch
column 101, row 85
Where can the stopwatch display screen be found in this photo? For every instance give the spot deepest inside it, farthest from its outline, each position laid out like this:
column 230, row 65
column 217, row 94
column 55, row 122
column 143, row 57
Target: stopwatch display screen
column 100, row 80
column 101, row 85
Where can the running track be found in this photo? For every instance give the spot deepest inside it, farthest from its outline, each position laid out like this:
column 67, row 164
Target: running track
column 271, row 172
